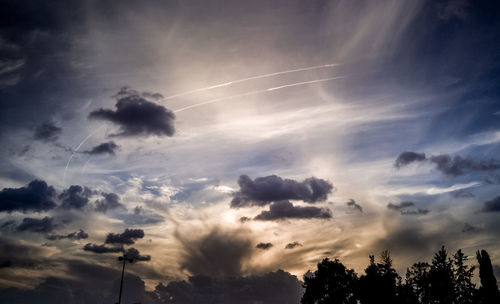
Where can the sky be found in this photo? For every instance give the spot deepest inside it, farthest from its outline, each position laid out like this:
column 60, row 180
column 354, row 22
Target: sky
column 238, row 143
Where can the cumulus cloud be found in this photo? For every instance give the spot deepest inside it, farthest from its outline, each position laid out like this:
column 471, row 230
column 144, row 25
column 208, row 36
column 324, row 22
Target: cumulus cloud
column 136, row 115
column 109, row 147
column 77, row 235
column 354, row 206
column 400, row 206
column 36, row 196
column 217, row 253
column 75, row 197
column 293, row 245
column 244, row 219
column 273, row 287
column 127, row 237
column 448, row 165
column 43, row 225
column 110, row 201
column 47, row 132
column 406, row 158
column 492, row 205
column 281, row 210
column 101, row 248
column 264, row 190
column 264, row 246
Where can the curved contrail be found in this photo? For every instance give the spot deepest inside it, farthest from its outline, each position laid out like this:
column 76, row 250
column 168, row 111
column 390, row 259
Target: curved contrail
column 330, row 65
column 256, row 92
column 76, row 150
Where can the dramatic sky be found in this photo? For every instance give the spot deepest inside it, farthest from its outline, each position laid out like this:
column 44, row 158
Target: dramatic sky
column 237, row 143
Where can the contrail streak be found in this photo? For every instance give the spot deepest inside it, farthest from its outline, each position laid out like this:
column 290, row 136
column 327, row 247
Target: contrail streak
column 225, row 84
column 76, row 150
column 256, row 92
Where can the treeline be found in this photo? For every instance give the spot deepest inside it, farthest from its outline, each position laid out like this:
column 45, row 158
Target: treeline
column 447, row 280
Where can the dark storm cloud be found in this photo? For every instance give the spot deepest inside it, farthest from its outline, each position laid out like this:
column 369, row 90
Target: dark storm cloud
column 75, row 197
column 110, row 201
column 37, row 196
column 448, row 165
column 43, row 225
column 415, row 212
column 89, row 283
column 133, row 253
column 406, row 158
column 77, row 235
column 47, row 132
column 218, row 253
column 264, row 246
column 400, row 206
column 281, row 210
column 104, row 148
column 16, row 254
column 264, row 190
column 101, row 248
column 127, row 237
column 492, row 205
column 135, row 115
column 273, row 287
column 354, row 206
column 293, row 245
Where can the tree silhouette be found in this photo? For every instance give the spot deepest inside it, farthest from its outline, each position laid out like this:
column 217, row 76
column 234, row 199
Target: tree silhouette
column 464, row 288
column 331, row 283
column 445, row 281
column 488, row 292
column 379, row 284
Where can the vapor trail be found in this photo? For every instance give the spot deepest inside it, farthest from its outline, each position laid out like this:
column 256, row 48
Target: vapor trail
column 76, row 150
column 251, row 78
column 256, row 92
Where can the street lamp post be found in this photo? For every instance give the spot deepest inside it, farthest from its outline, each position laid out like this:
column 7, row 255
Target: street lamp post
column 124, row 259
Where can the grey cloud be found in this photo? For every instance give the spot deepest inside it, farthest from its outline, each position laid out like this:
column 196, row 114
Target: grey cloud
column 47, row 132
column 110, row 201
column 75, row 197
column 406, row 158
column 453, row 9
column 104, row 148
column 470, row 228
column 37, row 196
column 492, row 205
column 135, row 115
column 264, row 190
column 273, row 287
column 244, row 219
column 355, row 206
column 127, row 237
column 400, row 206
column 101, row 248
column 415, row 212
column 218, row 253
column 462, row 194
column 293, row 245
column 43, row 225
column 77, row 235
column 285, row 210
column 133, row 253
column 458, row 166
column 264, row 246
column 450, row 166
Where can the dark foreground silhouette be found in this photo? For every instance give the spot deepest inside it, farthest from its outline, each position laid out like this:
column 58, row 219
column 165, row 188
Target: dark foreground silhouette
column 447, row 280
